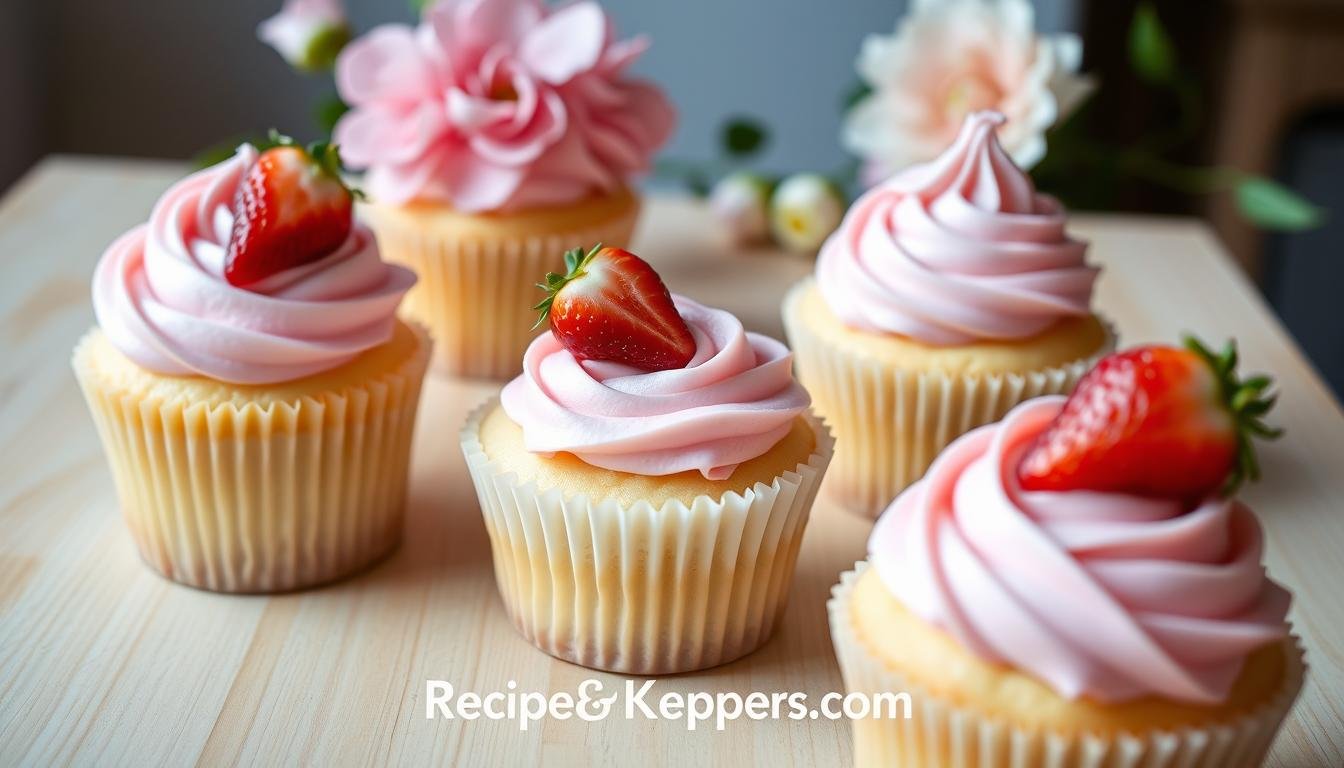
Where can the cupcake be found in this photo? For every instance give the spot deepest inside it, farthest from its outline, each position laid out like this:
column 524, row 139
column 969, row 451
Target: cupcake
column 949, row 294
column 1076, row 585
column 495, row 136
column 253, row 389
column 646, row 480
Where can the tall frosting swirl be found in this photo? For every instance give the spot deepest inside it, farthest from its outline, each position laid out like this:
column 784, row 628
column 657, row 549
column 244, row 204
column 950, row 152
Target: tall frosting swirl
column 1102, row 595
column 957, row 250
column 731, row 403
column 160, row 295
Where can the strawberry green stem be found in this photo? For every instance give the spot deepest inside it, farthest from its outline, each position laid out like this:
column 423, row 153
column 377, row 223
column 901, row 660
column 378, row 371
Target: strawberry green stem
column 1247, row 400
column 575, row 263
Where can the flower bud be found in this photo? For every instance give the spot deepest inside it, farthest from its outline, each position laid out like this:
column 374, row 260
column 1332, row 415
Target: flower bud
column 805, row 209
column 307, row 33
column 740, row 202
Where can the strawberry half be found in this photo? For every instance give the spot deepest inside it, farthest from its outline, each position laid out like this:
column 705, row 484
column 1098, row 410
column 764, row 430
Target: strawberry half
column 611, row 305
column 290, row 209
column 1156, row 421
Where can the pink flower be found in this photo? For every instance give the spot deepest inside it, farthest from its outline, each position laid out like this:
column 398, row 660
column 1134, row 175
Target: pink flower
column 307, row 33
column 498, row 104
column 948, row 59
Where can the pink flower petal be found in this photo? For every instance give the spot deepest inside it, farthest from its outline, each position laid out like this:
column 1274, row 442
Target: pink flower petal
column 388, row 135
column 397, row 184
column 527, row 143
column 470, row 113
column 384, row 65
column 488, row 22
column 567, row 43
column 623, row 53
column 479, row 185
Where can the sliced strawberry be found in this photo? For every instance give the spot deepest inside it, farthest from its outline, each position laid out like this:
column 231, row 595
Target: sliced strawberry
column 291, row 208
column 1155, row 421
column 612, row 306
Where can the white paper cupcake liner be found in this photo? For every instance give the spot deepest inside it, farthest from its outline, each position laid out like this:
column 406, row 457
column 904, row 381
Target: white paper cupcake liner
column 475, row 293
column 638, row 589
column 891, row 423
column 941, row 733
column 241, row 497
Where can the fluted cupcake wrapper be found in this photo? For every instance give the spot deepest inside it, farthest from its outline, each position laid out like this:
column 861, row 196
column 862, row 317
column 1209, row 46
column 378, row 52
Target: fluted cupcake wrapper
column 250, row 498
column 475, row 293
column 891, row 423
column 638, row 589
column 942, row 733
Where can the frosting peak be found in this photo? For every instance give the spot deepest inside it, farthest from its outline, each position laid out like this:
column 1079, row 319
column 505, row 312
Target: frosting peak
column 731, row 403
column 160, row 294
column 1102, row 595
column 957, row 250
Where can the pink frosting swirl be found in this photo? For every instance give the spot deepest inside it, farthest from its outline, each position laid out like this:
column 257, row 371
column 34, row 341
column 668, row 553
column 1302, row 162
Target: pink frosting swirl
column 733, row 401
column 160, row 295
column 498, row 105
column 958, row 250
column 1102, row 595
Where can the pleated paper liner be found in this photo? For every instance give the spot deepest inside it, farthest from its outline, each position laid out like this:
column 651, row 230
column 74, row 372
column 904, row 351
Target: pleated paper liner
column 941, row 733
column 891, row 423
column 475, row 292
column 638, row 589
column 241, row 497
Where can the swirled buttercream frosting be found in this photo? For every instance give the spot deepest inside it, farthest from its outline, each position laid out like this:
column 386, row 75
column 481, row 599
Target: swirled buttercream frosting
column 733, row 401
column 160, row 294
column 1100, row 595
column 958, row 250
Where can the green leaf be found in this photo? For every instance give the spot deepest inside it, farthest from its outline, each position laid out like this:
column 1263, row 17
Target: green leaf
column 698, row 183
column 743, row 136
column 1271, row 205
column 327, row 111
column 419, row 6
column 322, row 50
column 856, row 93
column 1151, row 52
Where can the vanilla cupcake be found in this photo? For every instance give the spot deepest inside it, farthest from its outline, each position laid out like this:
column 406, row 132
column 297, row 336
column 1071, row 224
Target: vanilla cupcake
column 1065, row 627
column 648, row 521
column 257, row 419
column 950, row 293
column 496, row 136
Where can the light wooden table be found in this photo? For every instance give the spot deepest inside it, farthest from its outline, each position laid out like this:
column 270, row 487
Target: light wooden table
column 103, row 662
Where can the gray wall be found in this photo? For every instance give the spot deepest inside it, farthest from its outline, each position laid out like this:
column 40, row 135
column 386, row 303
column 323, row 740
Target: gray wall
column 23, row 87
column 168, row 77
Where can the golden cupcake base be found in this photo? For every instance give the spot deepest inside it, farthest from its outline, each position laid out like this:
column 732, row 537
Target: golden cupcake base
column 894, row 404
column 259, row 488
column 478, row 273
column 653, row 585
column 965, row 711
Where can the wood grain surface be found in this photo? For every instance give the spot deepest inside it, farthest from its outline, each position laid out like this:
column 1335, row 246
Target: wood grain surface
column 103, row 662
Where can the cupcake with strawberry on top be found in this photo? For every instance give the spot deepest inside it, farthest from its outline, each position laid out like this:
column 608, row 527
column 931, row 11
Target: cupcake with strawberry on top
column 646, row 480
column 950, row 293
column 252, row 386
column 495, row 136
column 1078, row 585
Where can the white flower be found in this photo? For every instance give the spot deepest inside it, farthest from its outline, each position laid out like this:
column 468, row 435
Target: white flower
column 740, row 201
column 307, row 33
column 804, row 210
column 948, row 58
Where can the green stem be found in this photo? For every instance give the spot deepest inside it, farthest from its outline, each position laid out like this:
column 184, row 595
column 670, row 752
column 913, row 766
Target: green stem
column 1189, row 107
column 1194, row 180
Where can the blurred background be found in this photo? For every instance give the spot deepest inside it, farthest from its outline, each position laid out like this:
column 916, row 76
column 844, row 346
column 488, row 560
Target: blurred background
column 1263, row 78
